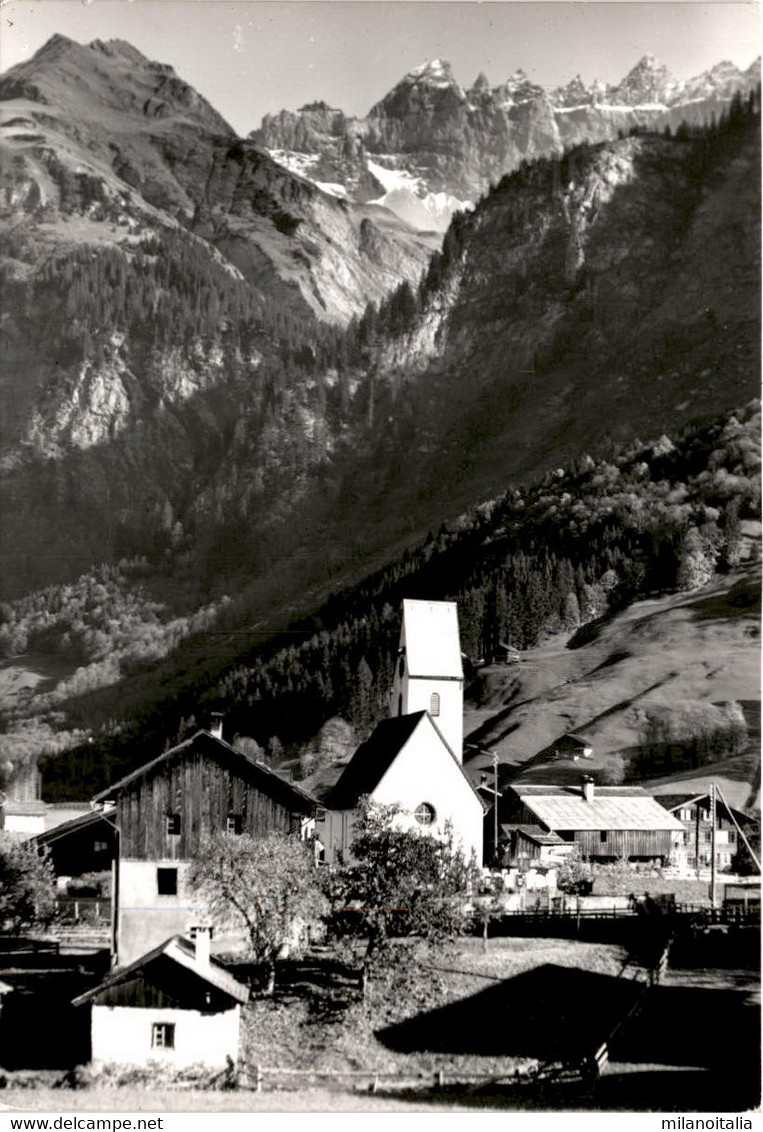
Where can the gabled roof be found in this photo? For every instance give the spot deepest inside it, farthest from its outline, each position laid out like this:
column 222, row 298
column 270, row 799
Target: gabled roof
column 536, row 834
column 74, row 825
column 209, row 746
column 183, row 953
column 372, row 760
column 675, row 802
column 432, row 645
column 376, row 755
column 611, row 808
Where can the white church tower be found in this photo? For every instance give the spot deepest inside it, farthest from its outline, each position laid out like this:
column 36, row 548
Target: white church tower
column 428, row 674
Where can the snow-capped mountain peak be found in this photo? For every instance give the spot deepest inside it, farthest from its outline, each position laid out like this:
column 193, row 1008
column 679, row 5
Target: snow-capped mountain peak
column 437, row 72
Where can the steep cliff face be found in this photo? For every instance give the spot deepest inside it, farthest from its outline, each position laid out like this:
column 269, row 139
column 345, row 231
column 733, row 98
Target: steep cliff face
column 591, row 297
column 162, row 281
column 167, row 390
column 441, row 138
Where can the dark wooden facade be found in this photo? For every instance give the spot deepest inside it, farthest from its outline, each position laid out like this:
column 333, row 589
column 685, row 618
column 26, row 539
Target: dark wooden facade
column 618, row 843
column 201, row 787
column 164, row 985
column 610, row 844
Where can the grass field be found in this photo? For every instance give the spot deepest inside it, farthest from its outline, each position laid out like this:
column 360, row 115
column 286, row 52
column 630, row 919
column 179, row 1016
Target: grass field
column 468, row 1013
column 672, row 653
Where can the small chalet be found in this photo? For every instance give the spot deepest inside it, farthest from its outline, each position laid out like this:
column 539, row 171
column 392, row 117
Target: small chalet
column 175, row 1005
column 162, row 812
column 414, row 759
column 607, row 823
column 83, row 844
column 573, row 747
column 695, row 814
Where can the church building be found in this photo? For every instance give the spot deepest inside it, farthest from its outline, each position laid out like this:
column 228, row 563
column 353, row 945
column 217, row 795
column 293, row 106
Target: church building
column 414, row 758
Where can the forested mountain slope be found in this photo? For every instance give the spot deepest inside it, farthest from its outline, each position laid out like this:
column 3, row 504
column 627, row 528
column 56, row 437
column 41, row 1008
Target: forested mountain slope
column 212, row 463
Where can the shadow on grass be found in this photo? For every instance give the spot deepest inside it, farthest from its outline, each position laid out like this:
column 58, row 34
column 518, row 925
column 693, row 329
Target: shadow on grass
column 549, row 1013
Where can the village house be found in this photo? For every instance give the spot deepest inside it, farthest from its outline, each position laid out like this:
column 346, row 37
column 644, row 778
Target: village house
column 694, row 811
column 606, row 823
column 86, row 843
column 176, row 1006
column 573, row 747
column 162, row 812
column 414, row 759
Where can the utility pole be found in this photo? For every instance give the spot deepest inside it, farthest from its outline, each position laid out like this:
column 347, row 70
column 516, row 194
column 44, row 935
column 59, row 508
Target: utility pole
column 495, row 803
column 712, row 846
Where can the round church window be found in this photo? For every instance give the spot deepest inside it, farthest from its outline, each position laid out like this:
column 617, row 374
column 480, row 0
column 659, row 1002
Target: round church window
column 425, row 813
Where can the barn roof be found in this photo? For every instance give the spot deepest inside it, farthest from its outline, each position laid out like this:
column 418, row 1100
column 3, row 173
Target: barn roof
column 611, row 808
column 75, row 825
column 209, row 746
column 535, row 833
column 375, row 756
column 675, row 802
column 182, row 953
column 432, row 646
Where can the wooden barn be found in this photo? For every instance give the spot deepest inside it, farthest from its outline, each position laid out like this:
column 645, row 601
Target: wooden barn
column 84, row 844
column 175, row 1006
column 607, row 823
column 164, row 809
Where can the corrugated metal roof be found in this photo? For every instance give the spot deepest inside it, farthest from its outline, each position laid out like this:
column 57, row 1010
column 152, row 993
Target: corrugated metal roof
column 569, row 810
column 432, row 644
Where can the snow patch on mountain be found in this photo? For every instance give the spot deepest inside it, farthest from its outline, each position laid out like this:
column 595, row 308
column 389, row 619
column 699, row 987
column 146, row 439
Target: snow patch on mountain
column 407, row 197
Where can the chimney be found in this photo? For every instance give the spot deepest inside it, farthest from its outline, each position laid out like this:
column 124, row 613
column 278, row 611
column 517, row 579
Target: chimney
column 202, row 940
column 216, row 724
column 588, row 788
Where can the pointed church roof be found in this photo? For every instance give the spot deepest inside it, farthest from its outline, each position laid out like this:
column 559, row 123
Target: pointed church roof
column 376, row 755
column 372, row 760
column 432, row 646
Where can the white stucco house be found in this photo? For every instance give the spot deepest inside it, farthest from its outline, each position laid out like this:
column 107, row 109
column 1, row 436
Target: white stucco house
column 175, row 1006
column 414, row 759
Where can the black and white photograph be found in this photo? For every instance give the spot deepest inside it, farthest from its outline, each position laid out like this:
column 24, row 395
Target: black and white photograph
column 380, row 559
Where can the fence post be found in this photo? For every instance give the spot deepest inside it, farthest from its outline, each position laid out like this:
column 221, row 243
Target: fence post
column 257, row 1078
column 440, row 1079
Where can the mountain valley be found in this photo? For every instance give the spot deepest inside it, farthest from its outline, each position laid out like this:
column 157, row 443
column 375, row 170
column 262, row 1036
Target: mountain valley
column 237, row 382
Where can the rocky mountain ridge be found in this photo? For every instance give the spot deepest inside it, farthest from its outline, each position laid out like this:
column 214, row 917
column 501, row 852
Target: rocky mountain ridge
column 436, row 140
column 107, row 123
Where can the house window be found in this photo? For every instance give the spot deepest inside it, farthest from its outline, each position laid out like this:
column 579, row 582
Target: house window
column 163, row 1035
column 685, row 815
column 100, row 846
column 167, row 882
column 173, row 825
column 603, row 835
column 233, row 823
column 425, row 813
column 434, row 703
column 399, row 705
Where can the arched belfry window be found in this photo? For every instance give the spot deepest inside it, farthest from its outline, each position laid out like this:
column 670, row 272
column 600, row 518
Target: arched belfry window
column 399, row 705
column 434, row 703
